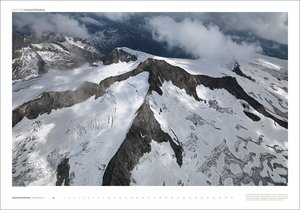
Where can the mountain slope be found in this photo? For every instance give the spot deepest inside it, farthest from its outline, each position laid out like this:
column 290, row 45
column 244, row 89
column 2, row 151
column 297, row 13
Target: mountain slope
column 33, row 56
column 147, row 120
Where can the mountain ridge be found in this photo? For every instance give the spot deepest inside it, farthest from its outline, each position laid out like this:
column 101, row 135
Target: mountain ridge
column 152, row 127
column 156, row 78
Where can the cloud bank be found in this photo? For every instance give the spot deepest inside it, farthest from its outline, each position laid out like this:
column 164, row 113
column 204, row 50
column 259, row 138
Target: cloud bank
column 53, row 22
column 90, row 20
column 199, row 40
column 116, row 16
column 268, row 25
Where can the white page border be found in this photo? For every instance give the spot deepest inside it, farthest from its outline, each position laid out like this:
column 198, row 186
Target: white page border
column 148, row 197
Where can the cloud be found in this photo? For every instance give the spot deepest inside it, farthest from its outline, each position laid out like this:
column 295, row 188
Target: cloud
column 50, row 22
column 268, row 25
column 199, row 40
column 116, row 16
column 89, row 20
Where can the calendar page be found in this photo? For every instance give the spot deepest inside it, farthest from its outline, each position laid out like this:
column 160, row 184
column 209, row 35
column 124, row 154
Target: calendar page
column 149, row 104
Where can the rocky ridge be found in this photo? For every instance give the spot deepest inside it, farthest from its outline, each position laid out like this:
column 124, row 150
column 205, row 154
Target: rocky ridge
column 145, row 127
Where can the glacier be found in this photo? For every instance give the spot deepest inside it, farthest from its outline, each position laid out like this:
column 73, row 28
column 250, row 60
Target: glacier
column 209, row 130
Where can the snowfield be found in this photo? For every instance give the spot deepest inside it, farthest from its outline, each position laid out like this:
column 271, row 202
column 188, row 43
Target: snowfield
column 201, row 128
column 89, row 133
column 221, row 144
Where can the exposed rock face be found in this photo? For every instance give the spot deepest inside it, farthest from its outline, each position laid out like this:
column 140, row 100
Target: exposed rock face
column 252, row 116
column 137, row 141
column 42, row 66
column 62, row 173
column 159, row 71
column 106, row 83
column 144, row 129
column 22, row 67
column 53, row 100
column 239, row 72
column 117, row 55
column 231, row 85
column 33, row 55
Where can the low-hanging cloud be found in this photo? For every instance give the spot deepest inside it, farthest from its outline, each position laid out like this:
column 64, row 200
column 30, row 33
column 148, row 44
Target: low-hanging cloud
column 199, row 40
column 89, row 20
column 268, row 25
column 50, row 22
column 116, row 16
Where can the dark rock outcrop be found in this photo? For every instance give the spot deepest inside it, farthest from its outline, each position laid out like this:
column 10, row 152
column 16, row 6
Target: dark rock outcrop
column 41, row 66
column 159, row 71
column 238, row 71
column 117, row 55
column 231, row 85
column 106, row 83
column 62, row 173
column 252, row 116
column 53, row 100
column 144, row 129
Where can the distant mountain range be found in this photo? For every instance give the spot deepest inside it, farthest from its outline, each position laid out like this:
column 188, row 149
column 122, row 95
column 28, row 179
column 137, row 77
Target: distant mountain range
column 59, row 51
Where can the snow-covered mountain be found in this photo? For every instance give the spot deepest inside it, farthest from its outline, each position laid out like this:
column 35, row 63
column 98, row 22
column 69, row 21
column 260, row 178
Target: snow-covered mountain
column 137, row 119
column 33, row 55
